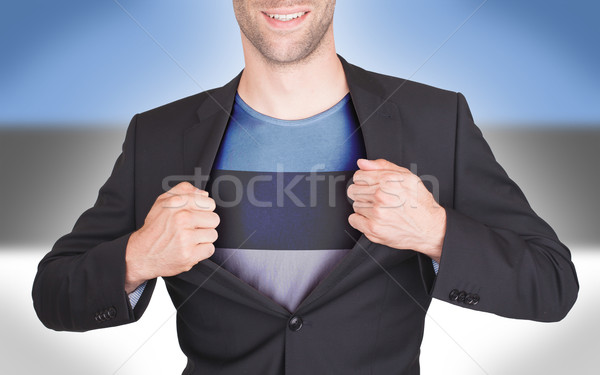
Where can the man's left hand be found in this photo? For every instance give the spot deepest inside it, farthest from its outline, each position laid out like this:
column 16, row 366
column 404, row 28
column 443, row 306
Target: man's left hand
column 392, row 207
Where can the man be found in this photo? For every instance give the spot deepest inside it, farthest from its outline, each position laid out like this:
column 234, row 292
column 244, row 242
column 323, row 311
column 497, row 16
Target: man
column 273, row 273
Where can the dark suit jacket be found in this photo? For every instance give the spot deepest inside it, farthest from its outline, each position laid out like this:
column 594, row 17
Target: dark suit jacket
column 367, row 315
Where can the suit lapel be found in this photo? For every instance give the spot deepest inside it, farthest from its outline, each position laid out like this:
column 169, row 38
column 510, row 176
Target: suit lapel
column 202, row 140
column 380, row 124
column 200, row 146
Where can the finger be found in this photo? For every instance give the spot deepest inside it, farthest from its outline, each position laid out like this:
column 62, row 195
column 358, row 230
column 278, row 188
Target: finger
column 362, row 193
column 204, row 219
column 361, row 177
column 196, row 201
column 183, row 188
column 379, row 195
column 200, row 201
column 205, row 250
column 363, row 208
column 358, row 222
column 204, row 235
column 196, row 219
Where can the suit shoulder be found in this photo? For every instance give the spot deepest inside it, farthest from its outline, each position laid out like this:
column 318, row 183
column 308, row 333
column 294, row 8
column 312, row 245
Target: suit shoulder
column 405, row 90
column 182, row 110
column 427, row 108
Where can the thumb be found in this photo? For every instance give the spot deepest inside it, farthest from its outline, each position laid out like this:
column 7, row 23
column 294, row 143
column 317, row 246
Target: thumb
column 366, row 164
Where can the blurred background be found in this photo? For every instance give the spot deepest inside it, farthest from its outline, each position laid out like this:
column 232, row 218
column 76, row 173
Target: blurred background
column 72, row 74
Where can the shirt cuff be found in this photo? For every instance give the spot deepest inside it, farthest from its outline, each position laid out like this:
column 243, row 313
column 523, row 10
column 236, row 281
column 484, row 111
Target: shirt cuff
column 134, row 296
column 436, row 266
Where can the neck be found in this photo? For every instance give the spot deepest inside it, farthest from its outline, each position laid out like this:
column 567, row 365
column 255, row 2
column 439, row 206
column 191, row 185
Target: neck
column 294, row 91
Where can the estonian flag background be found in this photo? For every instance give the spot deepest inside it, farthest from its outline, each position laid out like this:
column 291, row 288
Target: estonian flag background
column 73, row 73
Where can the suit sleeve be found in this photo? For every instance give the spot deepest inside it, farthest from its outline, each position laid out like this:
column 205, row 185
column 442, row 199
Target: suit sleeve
column 80, row 283
column 498, row 255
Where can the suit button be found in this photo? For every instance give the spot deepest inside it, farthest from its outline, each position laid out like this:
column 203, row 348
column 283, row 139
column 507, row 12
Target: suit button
column 295, row 323
column 469, row 299
column 453, row 295
column 475, row 298
column 112, row 312
column 461, row 296
column 105, row 316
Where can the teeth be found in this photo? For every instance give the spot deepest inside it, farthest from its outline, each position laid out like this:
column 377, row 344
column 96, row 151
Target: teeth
column 286, row 17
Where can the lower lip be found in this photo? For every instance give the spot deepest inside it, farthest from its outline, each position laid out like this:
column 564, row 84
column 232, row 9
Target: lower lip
column 277, row 24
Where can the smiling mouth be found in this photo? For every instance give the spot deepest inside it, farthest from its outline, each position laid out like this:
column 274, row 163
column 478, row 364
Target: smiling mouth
column 286, row 17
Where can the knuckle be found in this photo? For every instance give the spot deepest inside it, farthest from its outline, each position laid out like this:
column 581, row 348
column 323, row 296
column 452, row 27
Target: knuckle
column 190, row 263
column 358, row 205
column 376, row 232
column 186, row 266
column 417, row 183
column 177, row 189
column 411, row 178
column 184, row 254
column 175, row 200
column 184, row 237
column 185, row 186
column 391, row 177
column 192, row 256
column 380, row 196
column 372, row 228
column 181, row 217
column 377, row 213
column 358, row 176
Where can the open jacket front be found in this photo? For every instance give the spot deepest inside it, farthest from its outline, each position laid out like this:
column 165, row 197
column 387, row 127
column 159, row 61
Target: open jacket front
column 367, row 315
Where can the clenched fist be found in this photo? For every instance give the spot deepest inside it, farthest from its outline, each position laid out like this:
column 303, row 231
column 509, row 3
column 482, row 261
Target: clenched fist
column 178, row 232
column 392, row 207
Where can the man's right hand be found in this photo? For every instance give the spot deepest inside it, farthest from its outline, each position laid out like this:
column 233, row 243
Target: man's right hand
column 178, row 232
